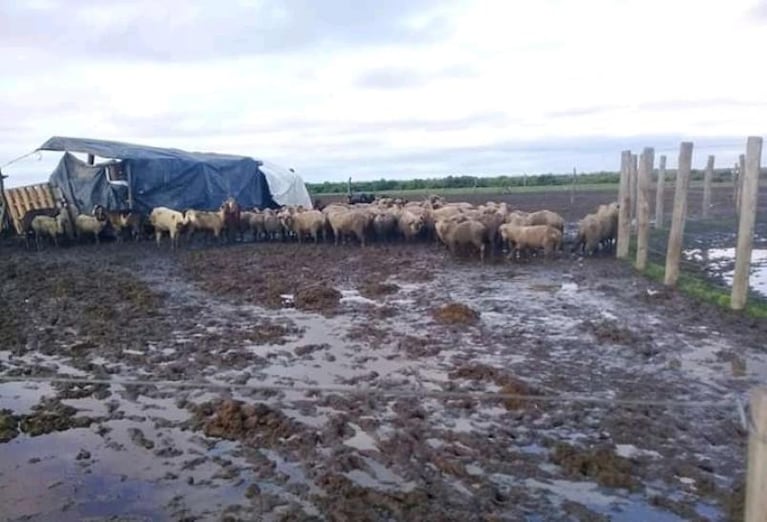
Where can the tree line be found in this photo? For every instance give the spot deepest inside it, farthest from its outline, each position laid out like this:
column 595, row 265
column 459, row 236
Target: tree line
column 456, row 182
column 500, row 182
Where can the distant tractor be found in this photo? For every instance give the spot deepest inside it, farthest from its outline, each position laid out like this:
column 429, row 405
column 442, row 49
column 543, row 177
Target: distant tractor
column 358, row 197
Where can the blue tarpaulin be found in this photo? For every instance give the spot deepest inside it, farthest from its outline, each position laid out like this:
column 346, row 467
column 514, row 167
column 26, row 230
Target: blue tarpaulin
column 156, row 177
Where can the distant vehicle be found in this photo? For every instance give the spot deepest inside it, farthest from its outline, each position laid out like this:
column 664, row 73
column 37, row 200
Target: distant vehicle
column 360, row 197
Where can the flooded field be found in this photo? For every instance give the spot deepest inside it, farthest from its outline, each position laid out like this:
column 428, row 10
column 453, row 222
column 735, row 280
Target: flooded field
column 309, row 382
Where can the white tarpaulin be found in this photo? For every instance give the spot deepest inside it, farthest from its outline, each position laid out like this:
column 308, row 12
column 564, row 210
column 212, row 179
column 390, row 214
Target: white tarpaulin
column 287, row 187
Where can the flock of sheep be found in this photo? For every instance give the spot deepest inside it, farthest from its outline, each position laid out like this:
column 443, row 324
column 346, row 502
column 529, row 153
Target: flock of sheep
column 459, row 226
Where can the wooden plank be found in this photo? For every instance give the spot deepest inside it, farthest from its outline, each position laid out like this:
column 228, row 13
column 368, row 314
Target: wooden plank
column 748, row 204
column 624, row 208
column 646, row 161
column 660, row 192
column 633, row 179
column 675, row 236
column 756, row 476
column 707, row 178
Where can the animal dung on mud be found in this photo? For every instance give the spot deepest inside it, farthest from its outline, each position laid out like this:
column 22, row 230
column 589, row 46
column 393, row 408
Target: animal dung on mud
column 373, row 289
column 601, row 464
column 455, row 314
column 317, row 298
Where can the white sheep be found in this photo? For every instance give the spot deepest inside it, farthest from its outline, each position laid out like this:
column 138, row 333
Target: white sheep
column 212, row 222
column 52, row 227
column 85, row 224
column 164, row 219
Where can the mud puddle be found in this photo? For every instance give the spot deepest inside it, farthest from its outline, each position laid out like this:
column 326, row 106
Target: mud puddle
column 721, row 262
column 553, row 328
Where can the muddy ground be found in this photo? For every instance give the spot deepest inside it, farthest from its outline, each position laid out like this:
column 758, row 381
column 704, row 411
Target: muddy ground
column 265, row 325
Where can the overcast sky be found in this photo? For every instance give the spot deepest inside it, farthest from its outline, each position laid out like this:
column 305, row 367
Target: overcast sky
column 395, row 88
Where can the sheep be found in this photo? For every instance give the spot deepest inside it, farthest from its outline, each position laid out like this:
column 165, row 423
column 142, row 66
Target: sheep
column 245, row 218
column 49, row 226
column 492, row 220
column 463, row 233
column 198, row 220
column 310, row 222
column 517, row 217
column 589, row 234
column 385, row 225
column 521, row 239
column 445, row 212
column 85, row 224
column 164, row 219
column 29, row 215
column 442, row 226
column 230, row 215
column 546, row 217
column 253, row 221
column 272, row 224
column 122, row 221
column 608, row 218
column 348, row 222
column 410, row 223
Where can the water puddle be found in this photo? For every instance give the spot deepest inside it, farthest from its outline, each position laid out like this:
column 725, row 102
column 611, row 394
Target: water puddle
column 721, row 261
column 21, row 396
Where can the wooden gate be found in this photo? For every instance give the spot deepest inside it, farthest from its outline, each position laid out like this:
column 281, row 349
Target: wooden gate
column 19, row 200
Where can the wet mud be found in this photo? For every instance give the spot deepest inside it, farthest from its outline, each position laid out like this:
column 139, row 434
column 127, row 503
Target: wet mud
column 264, row 325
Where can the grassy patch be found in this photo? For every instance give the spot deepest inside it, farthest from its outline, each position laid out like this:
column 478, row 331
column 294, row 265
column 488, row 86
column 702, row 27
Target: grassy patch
column 703, row 290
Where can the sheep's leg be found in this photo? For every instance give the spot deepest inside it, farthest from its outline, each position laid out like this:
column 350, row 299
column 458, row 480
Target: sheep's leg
column 158, row 237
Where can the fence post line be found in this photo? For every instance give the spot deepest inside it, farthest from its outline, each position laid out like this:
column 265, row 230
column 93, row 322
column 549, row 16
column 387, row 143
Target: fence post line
column 735, row 177
column 707, row 178
column 675, row 236
column 572, row 188
column 624, row 208
column 646, row 161
column 741, row 175
column 756, row 476
column 749, row 195
column 659, row 192
column 633, row 166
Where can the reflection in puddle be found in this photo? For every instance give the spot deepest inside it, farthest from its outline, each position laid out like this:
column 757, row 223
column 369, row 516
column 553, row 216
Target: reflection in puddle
column 721, row 261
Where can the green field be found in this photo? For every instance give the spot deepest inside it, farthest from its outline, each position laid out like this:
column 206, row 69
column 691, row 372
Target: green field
column 484, row 190
column 533, row 189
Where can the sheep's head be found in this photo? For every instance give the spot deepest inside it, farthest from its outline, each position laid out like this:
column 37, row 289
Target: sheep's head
column 416, row 224
column 99, row 212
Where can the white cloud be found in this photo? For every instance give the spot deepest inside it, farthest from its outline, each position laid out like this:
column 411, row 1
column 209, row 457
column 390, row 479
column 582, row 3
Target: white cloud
column 386, row 89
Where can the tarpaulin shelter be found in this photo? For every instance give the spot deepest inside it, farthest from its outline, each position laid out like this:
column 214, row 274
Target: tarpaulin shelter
column 142, row 177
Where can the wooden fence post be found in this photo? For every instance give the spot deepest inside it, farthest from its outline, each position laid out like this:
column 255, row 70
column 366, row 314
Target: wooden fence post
column 659, row 192
column 741, row 175
column 646, row 161
column 572, row 188
column 675, row 236
column 624, row 208
column 633, row 166
column 735, row 176
column 707, row 178
column 4, row 213
column 756, row 478
column 749, row 195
